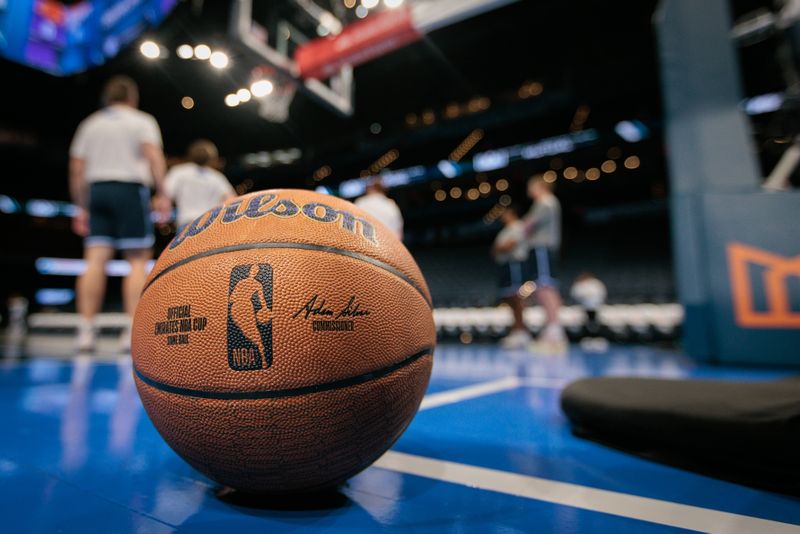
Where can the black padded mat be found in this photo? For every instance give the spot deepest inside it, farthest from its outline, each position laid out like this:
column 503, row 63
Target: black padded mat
column 746, row 432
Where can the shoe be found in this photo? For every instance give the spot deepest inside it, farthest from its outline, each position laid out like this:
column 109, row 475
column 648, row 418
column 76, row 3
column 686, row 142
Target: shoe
column 517, row 339
column 556, row 348
column 552, row 340
column 554, row 333
column 594, row 344
column 87, row 335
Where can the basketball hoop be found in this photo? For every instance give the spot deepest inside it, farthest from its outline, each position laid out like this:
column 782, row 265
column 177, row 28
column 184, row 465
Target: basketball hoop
column 274, row 106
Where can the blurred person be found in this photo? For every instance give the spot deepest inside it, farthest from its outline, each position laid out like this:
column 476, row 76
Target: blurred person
column 590, row 293
column 376, row 203
column 17, row 306
column 510, row 251
column 543, row 228
column 115, row 157
column 196, row 186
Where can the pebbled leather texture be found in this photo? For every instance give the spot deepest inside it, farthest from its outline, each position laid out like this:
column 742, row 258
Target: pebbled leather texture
column 293, row 293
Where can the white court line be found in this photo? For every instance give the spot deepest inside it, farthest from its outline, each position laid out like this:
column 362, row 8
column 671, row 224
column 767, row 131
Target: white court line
column 434, row 400
column 546, row 382
column 451, row 396
column 583, row 497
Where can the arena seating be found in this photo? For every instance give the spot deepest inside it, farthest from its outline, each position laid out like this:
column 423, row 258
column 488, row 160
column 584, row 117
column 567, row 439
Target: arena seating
column 464, row 275
column 641, row 305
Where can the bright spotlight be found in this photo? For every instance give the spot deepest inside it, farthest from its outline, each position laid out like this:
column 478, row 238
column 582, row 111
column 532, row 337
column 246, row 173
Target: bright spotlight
column 185, row 51
column 261, row 88
column 369, row 4
column 391, row 4
column 150, row 50
column 361, row 11
column 202, row 51
column 243, row 95
column 219, row 60
column 231, row 100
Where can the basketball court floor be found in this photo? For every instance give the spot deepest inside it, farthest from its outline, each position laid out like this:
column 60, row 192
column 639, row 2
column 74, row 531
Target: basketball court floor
column 489, row 451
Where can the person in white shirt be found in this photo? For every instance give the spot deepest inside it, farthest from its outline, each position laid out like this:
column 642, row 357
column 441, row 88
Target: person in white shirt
column 510, row 251
column 195, row 187
column 115, row 157
column 383, row 208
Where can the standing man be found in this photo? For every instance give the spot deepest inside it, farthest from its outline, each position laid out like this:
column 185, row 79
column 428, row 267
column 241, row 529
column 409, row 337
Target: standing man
column 543, row 227
column 383, row 208
column 115, row 157
column 195, row 186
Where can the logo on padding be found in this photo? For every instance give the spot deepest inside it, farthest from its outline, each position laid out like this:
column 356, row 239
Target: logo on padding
column 764, row 301
column 249, row 317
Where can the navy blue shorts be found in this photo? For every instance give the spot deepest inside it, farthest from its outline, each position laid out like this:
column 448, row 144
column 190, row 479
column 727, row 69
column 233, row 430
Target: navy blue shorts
column 543, row 266
column 119, row 216
column 511, row 276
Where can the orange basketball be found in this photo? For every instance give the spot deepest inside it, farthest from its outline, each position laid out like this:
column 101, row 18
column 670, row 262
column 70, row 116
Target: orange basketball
column 283, row 341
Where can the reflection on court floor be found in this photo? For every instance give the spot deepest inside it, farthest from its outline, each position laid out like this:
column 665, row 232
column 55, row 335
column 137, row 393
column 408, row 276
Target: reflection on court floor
column 489, row 451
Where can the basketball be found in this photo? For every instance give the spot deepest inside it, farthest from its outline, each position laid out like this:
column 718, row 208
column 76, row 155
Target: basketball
column 283, row 341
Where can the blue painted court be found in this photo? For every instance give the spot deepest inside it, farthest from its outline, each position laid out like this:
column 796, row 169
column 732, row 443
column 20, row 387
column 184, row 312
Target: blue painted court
column 489, row 451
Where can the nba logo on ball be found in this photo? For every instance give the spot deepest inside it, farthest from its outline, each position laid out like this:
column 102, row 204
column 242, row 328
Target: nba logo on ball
column 249, row 321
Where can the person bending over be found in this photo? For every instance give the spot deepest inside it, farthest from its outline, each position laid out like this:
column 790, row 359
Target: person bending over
column 196, row 186
column 510, row 251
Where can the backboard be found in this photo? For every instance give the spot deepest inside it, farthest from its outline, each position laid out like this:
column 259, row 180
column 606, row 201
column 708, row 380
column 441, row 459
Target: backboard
column 271, row 32
column 313, row 45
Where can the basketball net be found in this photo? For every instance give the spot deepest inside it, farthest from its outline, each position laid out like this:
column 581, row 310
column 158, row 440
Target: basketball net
column 274, row 107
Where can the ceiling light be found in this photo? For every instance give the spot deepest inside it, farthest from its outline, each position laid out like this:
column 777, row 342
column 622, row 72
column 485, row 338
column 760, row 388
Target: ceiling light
column 243, row 95
column 219, row 60
column 202, row 51
column 632, row 162
column 608, row 166
column 150, row 50
column 231, row 100
column 185, row 51
column 261, row 88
